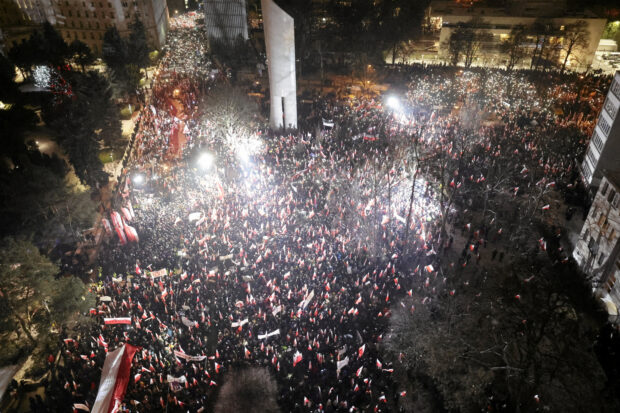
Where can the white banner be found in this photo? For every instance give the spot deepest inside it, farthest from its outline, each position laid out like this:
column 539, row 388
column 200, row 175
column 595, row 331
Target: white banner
column 273, row 333
column 187, row 357
column 239, row 323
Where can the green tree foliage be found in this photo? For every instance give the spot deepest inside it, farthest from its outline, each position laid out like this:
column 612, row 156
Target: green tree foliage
column 114, row 49
column 137, row 46
column 81, row 54
column 82, row 122
column 55, row 50
column 521, row 335
column 44, row 47
column 32, row 299
column 7, row 78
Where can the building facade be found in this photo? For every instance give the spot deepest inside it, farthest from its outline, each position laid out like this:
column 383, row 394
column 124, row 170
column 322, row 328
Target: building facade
column 86, row 21
column 598, row 251
column 603, row 151
column 226, row 20
column 498, row 21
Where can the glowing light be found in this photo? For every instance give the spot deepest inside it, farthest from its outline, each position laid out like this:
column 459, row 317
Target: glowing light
column 138, row 179
column 205, row 161
column 393, row 103
column 42, row 76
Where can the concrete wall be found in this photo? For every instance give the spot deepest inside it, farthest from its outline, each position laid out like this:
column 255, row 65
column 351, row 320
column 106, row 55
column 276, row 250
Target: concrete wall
column 280, row 44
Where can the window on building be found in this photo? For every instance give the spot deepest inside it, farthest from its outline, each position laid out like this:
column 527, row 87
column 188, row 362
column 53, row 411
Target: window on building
column 615, row 88
column 616, row 201
column 92, row 35
column 604, row 188
column 587, row 171
column 86, row 14
column 111, row 15
column 612, row 235
column 124, row 4
column 611, row 195
column 591, row 244
column 109, row 5
column 70, row 14
column 604, row 125
column 84, row 35
column 78, row 14
column 601, row 258
column 591, row 157
column 601, row 219
column 96, row 25
column 598, row 142
column 610, row 108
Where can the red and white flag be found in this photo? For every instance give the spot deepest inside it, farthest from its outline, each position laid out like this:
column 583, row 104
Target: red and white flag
column 360, row 351
column 297, row 358
column 114, row 379
column 117, row 320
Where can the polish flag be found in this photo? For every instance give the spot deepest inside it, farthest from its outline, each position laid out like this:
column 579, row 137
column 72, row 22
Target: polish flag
column 217, row 367
column 429, row 268
column 117, row 320
column 136, row 378
column 403, row 393
column 114, row 379
column 546, row 207
column 379, row 365
column 247, row 353
column 359, row 371
column 297, row 358
column 360, row 351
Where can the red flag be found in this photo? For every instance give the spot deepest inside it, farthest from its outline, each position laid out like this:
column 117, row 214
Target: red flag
column 360, row 351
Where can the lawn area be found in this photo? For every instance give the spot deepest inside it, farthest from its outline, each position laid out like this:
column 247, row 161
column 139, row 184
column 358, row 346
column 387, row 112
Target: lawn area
column 111, row 154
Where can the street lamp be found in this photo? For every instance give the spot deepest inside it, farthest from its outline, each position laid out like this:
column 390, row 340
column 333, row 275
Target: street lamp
column 138, row 179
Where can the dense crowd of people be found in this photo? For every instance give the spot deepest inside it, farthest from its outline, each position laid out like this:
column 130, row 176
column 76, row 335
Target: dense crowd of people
column 287, row 250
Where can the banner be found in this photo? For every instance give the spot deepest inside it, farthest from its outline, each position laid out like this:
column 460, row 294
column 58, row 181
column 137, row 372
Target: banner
column 306, row 301
column 117, row 320
column 273, row 333
column 114, row 379
column 159, row 273
column 239, row 323
column 194, row 216
column 187, row 357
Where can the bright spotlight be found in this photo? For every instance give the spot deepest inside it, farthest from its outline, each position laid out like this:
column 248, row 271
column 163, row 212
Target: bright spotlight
column 393, row 102
column 138, row 179
column 205, row 161
column 243, row 154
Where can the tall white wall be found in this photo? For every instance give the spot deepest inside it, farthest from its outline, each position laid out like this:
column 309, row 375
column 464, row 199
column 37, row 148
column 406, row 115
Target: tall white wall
column 280, row 43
